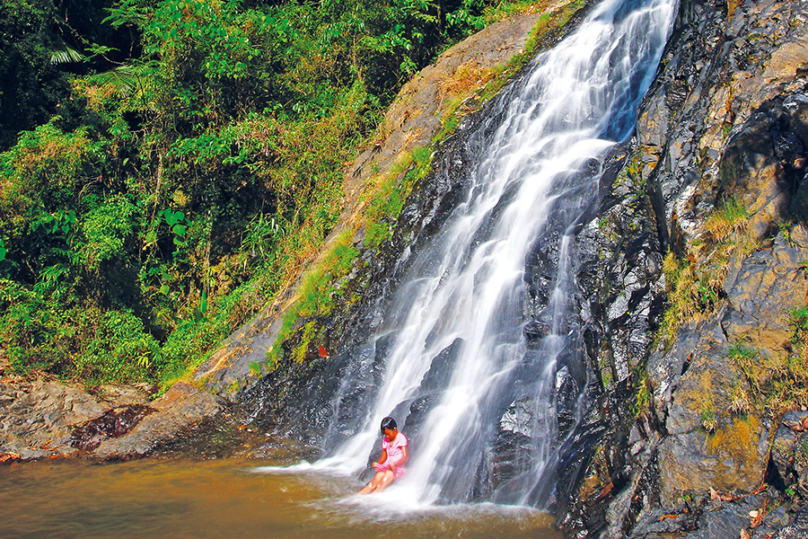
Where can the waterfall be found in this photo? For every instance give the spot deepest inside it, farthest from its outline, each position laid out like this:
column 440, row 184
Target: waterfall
column 470, row 351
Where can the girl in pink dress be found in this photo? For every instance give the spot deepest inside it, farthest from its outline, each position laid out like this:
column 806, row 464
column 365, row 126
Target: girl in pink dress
column 394, row 454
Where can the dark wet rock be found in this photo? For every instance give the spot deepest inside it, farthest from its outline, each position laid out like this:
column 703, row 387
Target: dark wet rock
column 111, row 424
column 726, row 118
column 797, row 529
column 182, row 406
column 441, row 368
column 330, row 397
column 568, row 390
column 512, row 456
column 416, row 415
column 789, row 454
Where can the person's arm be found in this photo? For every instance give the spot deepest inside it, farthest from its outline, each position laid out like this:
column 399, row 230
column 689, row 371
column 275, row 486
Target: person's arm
column 404, row 456
column 381, row 460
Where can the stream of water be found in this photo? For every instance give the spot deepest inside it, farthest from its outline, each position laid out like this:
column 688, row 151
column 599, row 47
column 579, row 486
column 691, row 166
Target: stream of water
column 463, row 305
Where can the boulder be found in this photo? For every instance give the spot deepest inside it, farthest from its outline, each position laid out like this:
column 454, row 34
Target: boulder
column 797, row 529
column 38, row 417
column 181, row 407
column 769, row 284
column 789, row 455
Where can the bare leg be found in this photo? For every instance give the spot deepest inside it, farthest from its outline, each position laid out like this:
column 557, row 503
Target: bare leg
column 386, row 480
column 374, row 483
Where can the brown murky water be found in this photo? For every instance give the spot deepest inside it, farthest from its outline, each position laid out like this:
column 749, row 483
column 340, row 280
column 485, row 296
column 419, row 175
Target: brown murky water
column 226, row 498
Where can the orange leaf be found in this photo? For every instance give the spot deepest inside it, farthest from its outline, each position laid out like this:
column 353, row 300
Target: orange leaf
column 760, row 489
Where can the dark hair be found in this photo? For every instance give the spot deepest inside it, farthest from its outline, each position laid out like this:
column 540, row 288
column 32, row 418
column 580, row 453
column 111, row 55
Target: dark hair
column 388, row 423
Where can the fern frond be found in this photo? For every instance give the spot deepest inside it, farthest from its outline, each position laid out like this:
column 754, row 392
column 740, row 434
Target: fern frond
column 126, row 79
column 66, row 55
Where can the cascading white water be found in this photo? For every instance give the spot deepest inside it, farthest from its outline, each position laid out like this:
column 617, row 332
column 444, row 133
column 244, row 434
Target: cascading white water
column 466, row 289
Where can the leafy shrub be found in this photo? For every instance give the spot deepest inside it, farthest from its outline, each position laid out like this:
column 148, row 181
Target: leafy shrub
column 90, row 344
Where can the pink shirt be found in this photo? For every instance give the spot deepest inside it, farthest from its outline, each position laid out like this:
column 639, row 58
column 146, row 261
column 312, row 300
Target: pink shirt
column 395, row 452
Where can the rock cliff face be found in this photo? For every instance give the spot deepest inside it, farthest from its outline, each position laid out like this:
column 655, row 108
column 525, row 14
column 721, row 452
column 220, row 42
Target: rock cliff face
column 672, row 442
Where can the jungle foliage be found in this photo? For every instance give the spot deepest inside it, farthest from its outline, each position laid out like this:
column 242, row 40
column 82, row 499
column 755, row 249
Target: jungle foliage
column 166, row 164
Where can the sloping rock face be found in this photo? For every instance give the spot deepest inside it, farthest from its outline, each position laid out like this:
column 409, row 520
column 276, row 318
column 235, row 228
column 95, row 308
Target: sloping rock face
column 725, row 121
column 416, row 116
column 183, row 406
column 38, row 417
column 46, row 418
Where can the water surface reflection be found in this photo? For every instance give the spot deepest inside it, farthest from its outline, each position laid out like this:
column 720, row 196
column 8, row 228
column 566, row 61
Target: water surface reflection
column 181, row 498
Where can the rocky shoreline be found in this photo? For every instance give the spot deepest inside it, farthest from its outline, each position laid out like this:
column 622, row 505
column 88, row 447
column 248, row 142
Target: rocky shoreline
column 43, row 418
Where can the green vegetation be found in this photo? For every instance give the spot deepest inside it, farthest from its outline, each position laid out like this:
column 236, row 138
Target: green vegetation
column 315, row 298
column 708, row 421
column 642, row 397
column 169, row 165
column 547, row 25
column 695, row 283
column 775, row 383
column 322, row 285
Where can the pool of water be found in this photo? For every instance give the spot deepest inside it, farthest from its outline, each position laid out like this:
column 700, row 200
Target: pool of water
column 230, row 498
